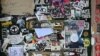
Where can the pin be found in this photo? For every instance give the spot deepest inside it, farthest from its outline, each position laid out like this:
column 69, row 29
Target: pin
column 86, row 42
column 86, row 33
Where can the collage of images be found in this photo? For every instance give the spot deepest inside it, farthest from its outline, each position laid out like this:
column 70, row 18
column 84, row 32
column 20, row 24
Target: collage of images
column 57, row 29
column 43, row 36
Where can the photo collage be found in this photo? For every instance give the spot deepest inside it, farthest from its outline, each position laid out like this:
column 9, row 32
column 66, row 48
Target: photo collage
column 57, row 28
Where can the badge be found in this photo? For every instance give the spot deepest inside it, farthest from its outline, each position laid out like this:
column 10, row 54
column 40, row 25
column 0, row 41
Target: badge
column 86, row 42
column 14, row 29
column 86, row 33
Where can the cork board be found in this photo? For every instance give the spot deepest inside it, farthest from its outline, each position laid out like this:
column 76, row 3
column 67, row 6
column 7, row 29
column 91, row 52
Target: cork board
column 17, row 7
